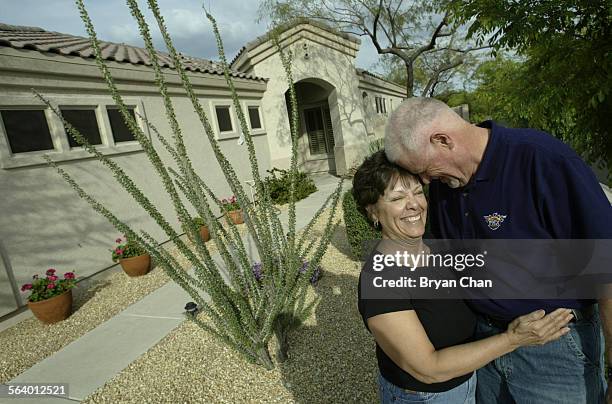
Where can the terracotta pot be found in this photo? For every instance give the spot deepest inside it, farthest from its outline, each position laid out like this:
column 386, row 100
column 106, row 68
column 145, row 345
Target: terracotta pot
column 236, row 216
column 52, row 310
column 204, row 233
column 136, row 266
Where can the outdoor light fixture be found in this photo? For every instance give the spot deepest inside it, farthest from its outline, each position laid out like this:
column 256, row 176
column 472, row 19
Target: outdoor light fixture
column 191, row 308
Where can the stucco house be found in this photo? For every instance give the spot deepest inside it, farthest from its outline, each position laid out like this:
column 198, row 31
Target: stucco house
column 44, row 224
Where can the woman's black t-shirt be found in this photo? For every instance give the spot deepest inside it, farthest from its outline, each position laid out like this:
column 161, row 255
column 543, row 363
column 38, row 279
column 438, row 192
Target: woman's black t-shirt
column 447, row 322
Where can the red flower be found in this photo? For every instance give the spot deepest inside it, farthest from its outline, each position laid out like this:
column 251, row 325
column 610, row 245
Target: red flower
column 50, row 271
column 69, row 275
column 25, row 287
column 118, row 240
column 119, row 251
column 51, row 286
column 52, row 278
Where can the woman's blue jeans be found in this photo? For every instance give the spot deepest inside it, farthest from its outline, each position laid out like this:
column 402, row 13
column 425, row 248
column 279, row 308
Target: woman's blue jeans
column 462, row 394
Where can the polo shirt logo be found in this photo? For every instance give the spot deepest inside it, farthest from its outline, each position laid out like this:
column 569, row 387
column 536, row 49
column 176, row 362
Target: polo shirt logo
column 494, row 220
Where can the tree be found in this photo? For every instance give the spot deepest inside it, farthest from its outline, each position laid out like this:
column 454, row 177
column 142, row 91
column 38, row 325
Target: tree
column 497, row 94
column 245, row 311
column 419, row 33
column 566, row 80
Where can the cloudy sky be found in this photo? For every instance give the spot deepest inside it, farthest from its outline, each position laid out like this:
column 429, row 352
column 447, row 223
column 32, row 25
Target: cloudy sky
column 186, row 22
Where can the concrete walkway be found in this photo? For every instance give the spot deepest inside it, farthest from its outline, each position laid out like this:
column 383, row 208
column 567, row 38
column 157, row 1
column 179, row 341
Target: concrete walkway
column 90, row 361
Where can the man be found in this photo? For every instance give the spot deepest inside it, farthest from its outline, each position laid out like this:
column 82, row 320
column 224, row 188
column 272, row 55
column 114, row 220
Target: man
column 488, row 181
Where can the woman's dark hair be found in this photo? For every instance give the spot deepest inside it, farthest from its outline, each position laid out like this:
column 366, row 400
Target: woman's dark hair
column 372, row 179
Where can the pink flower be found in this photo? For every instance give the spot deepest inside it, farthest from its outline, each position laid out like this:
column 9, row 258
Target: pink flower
column 51, row 286
column 52, row 278
column 25, row 287
column 50, row 271
column 118, row 240
column 118, row 251
column 69, row 275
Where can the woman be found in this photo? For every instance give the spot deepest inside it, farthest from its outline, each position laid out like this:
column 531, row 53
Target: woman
column 424, row 348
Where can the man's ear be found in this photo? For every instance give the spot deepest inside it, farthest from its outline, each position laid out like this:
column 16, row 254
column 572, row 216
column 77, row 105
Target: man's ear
column 442, row 140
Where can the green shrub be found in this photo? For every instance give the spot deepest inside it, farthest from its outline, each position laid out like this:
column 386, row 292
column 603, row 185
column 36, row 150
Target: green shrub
column 358, row 228
column 278, row 184
column 199, row 222
column 375, row 145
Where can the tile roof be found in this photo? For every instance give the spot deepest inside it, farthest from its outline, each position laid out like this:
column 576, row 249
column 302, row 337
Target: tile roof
column 364, row 73
column 34, row 38
column 285, row 27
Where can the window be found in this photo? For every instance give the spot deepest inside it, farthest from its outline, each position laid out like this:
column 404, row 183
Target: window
column 120, row 131
column 254, row 117
column 223, row 118
column 381, row 105
column 27, row 130
column 83, row 120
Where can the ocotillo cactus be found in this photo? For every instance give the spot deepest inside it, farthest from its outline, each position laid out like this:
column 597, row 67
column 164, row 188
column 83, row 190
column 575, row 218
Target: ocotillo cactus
column 244, row 311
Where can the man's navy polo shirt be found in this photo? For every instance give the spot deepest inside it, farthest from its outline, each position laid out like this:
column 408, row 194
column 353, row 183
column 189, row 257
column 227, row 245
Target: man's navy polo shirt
column 541, row 186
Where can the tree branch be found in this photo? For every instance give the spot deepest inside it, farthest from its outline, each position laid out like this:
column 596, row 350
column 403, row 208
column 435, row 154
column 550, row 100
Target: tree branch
column 436, row 34
column 436, row 75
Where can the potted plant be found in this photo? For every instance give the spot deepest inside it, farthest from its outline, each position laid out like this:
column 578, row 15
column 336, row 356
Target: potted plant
column 201, row 224
column 133, row 258
column 232, row 209
column 50, row 298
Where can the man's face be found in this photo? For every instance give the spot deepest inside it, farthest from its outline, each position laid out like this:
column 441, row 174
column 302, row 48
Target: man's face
column 435, row 165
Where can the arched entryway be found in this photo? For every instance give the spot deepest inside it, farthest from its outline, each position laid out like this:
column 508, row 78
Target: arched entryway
column 316, row 141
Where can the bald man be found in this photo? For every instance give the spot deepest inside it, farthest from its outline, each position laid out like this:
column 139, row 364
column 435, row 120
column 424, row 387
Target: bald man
column 488, row 181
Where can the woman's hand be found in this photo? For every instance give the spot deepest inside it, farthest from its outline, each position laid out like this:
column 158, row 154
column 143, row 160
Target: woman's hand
column 536, row 328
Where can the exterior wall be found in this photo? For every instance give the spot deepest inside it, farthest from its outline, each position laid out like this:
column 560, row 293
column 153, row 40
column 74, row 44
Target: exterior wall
column 371, row 88
column 44, row 223
column 324, row 59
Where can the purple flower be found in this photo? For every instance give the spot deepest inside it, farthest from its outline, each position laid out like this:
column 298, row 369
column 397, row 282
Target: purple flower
column 50, row 271
column 257, row 271
column 118, row 240
column 316, row 274
column 25, row 287
column 69, row 275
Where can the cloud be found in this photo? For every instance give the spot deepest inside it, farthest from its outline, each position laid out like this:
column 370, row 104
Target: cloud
column 125, row 33
column 186, row 24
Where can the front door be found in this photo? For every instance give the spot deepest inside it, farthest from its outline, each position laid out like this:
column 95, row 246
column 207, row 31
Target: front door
column 320, row 137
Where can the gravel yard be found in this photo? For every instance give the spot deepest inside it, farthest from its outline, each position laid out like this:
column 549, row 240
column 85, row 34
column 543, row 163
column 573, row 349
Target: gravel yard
column 95, row 301
column 331, row 357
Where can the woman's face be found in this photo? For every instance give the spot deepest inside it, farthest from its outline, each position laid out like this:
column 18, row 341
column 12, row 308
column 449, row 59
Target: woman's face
column 402, row 210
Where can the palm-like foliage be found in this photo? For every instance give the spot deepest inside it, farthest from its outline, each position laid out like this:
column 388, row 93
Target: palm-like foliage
column 242, row 311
